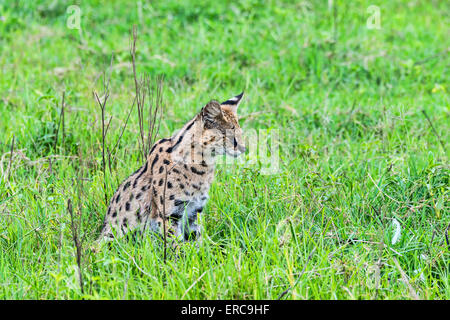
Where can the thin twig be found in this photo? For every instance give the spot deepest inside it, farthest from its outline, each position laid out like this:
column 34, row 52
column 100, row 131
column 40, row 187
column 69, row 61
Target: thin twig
column 107, row 126
column 114, row 152
column 77, row 244
column 446, row 236
column 193, row 284
column 434, row 130
column 434, row 56
column 61, row 117
column 11, row 156
column 63, row 122
column 102, row 107
column 299, row 276
column 164, row 218
column 144, row 88
column 405, row 280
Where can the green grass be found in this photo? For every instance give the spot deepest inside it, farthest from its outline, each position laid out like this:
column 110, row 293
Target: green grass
column 356, row 148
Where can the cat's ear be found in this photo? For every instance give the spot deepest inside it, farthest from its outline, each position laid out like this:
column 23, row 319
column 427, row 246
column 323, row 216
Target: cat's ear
column 212, row 111
column 234, row 102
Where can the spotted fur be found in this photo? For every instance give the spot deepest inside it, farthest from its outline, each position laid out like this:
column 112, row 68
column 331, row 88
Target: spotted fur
column 171, row 188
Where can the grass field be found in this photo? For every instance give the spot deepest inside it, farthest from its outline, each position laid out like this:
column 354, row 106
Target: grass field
column 363, row 118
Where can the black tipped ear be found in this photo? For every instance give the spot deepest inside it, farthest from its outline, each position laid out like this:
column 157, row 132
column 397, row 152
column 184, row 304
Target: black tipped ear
column 212, row 110
column 233, row 102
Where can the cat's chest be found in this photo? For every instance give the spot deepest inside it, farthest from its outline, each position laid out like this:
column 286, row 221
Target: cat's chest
column 196, row 187
column 190, row 206
column 195, row 206
column 192, row 184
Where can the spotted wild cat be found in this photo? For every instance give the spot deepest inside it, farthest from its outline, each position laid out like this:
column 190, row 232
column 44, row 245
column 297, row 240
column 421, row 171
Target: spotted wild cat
column 147, row 201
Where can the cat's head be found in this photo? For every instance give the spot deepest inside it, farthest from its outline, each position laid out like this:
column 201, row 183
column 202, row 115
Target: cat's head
column 221, row 131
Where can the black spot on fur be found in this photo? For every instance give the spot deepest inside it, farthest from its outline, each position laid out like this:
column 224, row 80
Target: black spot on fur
column 131, row 197
column 154, row 161
column 153, row 148
column 165, row 161
column 172, row 196
column 137, row 170
column 138, row 195
column 114, row 214
column 161, row 199
column 126, row 185
column 179, row 202
column 138, row 215
column 169, row 185
column 176, row 170
column 177, row 215
column 190, row 126
column 160, row 149
column 160, row 182
column 203, row 163
column 118, row 198
column 142, row 172
column 127, row 206
column 194, row 170
column 161, row 169
column 196, row 186
column 181, row 186
column 173, row 147
column 179, row 140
